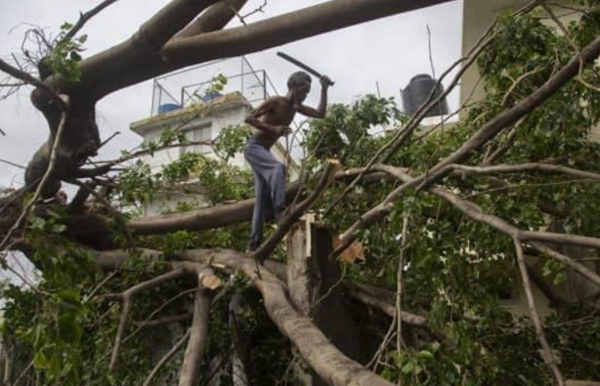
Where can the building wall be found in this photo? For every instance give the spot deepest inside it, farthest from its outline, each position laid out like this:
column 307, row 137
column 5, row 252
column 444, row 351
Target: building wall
column 478, row 15
column 200, row 122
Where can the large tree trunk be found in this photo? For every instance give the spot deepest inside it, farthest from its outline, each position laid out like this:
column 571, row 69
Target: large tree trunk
column 314, row 286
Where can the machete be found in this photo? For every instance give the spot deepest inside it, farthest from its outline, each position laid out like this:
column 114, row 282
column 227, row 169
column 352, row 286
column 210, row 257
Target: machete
column 303, row 66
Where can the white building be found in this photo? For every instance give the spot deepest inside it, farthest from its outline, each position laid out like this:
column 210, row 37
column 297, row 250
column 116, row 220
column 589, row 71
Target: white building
column 199, row 122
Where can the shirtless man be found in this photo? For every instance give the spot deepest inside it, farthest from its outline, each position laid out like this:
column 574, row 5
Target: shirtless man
column 271, row 120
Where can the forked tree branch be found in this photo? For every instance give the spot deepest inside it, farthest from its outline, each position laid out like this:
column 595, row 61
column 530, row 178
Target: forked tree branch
column 331, row 365
column 214, row 18
column 126, row 298
column 146, row 55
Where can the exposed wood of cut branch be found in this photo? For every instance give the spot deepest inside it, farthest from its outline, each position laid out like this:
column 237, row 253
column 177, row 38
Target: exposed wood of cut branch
column 295, row 212
column 327, row 361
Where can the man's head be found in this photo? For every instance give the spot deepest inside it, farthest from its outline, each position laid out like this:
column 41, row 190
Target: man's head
column 299, row 85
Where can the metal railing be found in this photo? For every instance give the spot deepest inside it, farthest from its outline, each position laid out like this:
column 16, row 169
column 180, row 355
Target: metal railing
column 182, row 88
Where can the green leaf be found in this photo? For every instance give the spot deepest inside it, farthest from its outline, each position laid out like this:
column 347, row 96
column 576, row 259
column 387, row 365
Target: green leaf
column 407, row 368
column 75, row 56
column 425, row 354
column 39, row 360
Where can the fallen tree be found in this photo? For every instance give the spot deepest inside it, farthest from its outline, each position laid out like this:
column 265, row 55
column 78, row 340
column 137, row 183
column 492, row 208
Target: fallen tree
column 447, row 225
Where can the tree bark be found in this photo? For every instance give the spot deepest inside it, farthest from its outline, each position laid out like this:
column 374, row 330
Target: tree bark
column 331, row 365
column 190, row 369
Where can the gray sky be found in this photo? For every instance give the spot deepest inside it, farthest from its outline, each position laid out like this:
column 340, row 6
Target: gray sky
column 389, row 51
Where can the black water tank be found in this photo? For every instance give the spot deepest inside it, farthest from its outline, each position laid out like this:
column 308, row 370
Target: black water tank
column 417, row 92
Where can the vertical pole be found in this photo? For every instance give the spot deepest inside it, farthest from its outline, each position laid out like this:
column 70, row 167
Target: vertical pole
column 264, row 84
column 242, row 65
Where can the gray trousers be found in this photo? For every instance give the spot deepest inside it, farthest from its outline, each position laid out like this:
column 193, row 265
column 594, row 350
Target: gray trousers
column 269, row 188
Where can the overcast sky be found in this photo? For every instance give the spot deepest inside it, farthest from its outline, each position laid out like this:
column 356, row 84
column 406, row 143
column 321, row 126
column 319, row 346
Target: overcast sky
column 389, row 51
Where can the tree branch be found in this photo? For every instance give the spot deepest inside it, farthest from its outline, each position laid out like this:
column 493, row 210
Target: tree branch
column 414, row 122
column 220, row 215
column 407, row 317
column 84, row 18
column 311, row 21
column 165, row 320
column 168, row 356
column 485, row 134
column 474, row 212
column 138, row 60
column 126, row 299
column 192, row 358
column 526, row 167
column 25, row 77
column 548, row 357
column 214, row 18
column 331, row 365
column 555, row 299
column 139, row 53
column 44, row 180
column 208, row 218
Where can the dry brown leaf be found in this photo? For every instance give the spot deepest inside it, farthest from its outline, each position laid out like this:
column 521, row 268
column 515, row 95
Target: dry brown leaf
column 356, row 251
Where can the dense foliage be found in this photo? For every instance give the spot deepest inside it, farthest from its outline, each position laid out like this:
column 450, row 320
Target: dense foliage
column 461, row 273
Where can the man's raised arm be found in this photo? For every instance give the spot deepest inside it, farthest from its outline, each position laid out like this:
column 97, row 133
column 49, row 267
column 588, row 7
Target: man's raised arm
column 320, row 111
